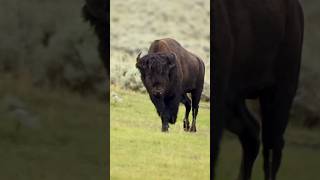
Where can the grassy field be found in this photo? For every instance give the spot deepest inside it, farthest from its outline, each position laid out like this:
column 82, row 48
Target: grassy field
column 50, row 135
column 139, row 150
column 301, row 157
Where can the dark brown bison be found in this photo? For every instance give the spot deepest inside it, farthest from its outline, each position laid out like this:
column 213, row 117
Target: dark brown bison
column 256, row 54
column 169, row 72
column 96, row 12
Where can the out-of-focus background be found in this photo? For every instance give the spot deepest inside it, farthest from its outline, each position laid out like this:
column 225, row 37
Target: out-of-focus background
column 53, row 115
column 139, row 150
column 307, row 102
column 48, row 43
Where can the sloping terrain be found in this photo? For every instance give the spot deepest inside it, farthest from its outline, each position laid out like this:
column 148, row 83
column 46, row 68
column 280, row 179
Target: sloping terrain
column 135, row 24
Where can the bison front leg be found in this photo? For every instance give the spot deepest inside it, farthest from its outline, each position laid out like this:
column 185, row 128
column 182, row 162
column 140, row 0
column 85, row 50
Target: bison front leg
column 170, row 112
column 187, row 103
column 165, row 123
column 162, row 112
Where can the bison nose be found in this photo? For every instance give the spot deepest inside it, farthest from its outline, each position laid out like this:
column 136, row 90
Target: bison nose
column 157, row 93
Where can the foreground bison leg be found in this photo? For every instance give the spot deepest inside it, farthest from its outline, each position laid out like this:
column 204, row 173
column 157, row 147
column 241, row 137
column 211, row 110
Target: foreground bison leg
column 276, row 101
column 274, row 121
column 171, row 108
column 161, row 110
column 275, row 114
column 249, row 138
column 167, row 109
column 165, row 121
column 165, row 124
column 250, row 148
column 187, row 103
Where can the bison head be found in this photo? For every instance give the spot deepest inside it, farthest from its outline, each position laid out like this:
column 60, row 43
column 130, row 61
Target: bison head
column 157, row 70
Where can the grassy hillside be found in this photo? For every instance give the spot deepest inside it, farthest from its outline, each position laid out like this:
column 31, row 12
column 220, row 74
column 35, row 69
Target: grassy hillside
column 135, row 24
column 139, row 150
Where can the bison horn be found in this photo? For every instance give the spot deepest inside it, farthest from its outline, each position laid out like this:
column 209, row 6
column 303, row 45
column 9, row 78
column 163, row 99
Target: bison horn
column 138, row 57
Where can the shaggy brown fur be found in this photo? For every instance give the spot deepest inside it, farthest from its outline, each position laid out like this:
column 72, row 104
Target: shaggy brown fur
column 256, row 54
column 169, row 72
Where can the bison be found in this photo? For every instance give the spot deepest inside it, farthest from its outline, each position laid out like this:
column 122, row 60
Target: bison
column 257, row 48
column 169, row 72
column 96, row 12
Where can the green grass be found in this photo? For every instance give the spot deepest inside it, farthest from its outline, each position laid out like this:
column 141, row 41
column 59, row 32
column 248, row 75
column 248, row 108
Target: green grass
column 139, row 150
column 68, row 143
column 301, row 157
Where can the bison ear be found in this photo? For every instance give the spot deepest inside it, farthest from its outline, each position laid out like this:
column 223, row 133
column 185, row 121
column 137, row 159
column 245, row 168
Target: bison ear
column 172, row 60
column 138, row 57
column 139, row 63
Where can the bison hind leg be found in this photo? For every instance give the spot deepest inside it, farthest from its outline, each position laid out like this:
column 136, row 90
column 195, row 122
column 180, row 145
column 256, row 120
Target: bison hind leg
column 275, row 108
column 247, row 128
column 193, row 125
column 195, row 95
column 187, row 103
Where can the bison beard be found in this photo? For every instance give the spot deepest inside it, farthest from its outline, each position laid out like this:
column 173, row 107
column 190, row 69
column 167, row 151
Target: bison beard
column 96, row 12
column 169, row 72
column 256, row 54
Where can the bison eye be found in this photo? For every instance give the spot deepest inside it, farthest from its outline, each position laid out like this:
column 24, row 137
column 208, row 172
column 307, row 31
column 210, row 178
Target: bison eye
column 147, row 76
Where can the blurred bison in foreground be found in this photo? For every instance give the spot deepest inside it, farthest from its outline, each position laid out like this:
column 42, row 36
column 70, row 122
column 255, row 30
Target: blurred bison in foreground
column 96, row 12
column 256, row 54
column 169, row 72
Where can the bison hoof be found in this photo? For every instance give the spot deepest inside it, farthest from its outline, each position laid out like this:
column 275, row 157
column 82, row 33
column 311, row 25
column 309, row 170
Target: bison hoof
column 193, row 129
column 186, row 126
column 164, row 129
